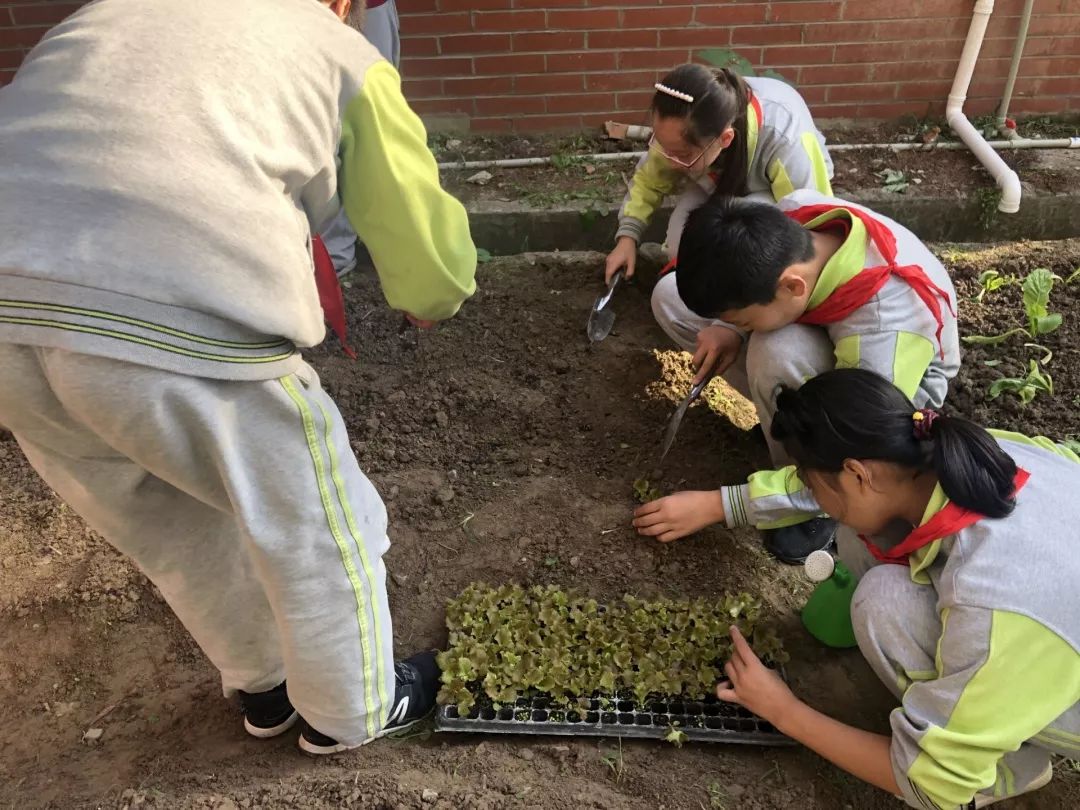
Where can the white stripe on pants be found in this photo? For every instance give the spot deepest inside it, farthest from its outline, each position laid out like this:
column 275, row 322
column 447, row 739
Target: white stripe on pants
column 241, row 501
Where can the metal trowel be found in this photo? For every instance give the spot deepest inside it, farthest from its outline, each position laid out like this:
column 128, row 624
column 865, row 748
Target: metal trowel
column 677, row 417
column 602, row 317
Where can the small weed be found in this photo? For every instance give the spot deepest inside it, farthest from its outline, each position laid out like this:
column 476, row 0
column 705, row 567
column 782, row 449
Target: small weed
column 551, row 561
column 483, row 256
column 1026, row 388
column 1075, row 274
column 563, row 161
column 614, row 760
column 645, row 492
column 893, row 180
column 988, row 205
column 717, row 796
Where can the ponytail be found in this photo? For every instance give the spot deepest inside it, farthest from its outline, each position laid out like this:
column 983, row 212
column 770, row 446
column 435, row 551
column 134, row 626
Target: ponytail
column 720, row 101
column 857, row 414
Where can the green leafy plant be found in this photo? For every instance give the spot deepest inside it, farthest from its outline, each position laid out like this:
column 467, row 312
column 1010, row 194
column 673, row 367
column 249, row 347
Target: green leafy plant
column 893, row 180
column 1075, row 274
column 507, row 642
column 1025, row 388
column 1036, row 295
column 728, row 58
column 676, row 736
column 483, row 256
column 991, row 281
column 645, row 491
column 1037, row 287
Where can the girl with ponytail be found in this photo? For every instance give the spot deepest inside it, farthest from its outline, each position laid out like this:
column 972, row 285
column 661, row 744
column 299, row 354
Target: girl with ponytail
column 966, row 542
column 716, row 132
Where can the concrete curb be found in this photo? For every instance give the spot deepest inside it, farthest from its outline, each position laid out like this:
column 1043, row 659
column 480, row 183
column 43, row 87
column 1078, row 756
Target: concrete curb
column 514, row 227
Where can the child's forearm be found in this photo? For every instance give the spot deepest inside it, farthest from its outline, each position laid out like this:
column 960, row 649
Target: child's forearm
column 860, row 753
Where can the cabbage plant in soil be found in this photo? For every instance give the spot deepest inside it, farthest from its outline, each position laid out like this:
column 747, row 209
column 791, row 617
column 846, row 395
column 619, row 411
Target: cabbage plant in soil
column 507, row 642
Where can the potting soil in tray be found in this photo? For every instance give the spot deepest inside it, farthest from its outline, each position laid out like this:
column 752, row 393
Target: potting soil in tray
column 710, row 720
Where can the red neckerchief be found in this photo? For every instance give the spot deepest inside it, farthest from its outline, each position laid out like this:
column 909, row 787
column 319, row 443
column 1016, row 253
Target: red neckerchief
column 755, row 107
column 330, row 297
column 948, row 521
column 859, row 289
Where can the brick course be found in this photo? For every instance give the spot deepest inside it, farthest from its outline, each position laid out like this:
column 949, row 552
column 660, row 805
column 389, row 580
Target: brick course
column 533, row 65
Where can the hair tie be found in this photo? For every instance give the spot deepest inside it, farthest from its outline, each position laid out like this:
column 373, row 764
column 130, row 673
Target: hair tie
column 922, row 420
column 671, row 91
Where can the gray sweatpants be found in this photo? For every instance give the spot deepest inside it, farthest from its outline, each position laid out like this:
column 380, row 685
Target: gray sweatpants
column 897, row 625
column 241, row 501
column 381, row 28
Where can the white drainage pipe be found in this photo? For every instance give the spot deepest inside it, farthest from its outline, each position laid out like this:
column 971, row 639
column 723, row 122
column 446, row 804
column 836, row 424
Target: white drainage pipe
column 1005, row 177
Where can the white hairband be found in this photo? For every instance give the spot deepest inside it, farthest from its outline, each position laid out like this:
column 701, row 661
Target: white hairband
column 671, row 91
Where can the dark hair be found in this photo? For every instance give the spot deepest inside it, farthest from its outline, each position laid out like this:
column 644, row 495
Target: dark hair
column 733, row 251
column 857, row 414
column 720, row 99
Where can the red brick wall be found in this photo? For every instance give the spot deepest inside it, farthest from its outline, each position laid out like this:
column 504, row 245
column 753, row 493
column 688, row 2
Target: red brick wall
column 516, row 65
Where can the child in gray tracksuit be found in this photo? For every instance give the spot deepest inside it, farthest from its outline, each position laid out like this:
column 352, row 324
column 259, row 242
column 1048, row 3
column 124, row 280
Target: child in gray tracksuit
column 815, row 283
column 161, row 172
column 966, row 606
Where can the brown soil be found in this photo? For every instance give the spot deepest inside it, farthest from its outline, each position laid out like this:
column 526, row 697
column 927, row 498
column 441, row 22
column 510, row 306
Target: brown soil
column 506, row 448
column 1002, row 310
column 603, row 183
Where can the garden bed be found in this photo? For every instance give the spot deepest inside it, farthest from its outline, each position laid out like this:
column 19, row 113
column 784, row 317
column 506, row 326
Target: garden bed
column 507, row 449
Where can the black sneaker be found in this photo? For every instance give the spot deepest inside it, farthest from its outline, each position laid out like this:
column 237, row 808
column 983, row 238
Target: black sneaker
column 267, row 714
column 417, row 682
column 793, row 544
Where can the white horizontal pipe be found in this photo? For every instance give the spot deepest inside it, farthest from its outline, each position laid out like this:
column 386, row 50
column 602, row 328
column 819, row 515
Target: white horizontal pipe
column 1016, row 143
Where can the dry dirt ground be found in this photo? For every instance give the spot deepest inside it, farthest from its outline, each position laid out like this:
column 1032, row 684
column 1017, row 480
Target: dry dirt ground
column 506, row 448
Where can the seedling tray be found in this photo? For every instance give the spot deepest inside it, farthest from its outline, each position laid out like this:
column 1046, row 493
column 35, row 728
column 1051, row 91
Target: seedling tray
column 710, row 720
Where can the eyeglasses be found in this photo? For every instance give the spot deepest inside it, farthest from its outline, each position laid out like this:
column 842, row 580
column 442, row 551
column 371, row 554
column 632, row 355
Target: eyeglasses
column 655, row 145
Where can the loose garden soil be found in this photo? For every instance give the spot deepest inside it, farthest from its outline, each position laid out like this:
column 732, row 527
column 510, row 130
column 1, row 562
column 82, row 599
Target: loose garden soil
column 506, row 448
column 573, row 179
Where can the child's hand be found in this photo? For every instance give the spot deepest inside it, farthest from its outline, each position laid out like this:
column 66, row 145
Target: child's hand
column 679, row 515
column 717, row 348
column 624, row 255
column 752, row 684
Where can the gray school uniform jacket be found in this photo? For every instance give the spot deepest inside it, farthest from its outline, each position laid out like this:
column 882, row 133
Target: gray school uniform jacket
column 787, row 153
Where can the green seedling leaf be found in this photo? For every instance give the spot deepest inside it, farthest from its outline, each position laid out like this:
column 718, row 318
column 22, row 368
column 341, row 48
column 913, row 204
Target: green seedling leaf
column 1046, row 324
column 993, row 340
column 645, row 492
column 483, row 256
column 726, row 58
column 1075, row 274
column 676, row 737
column 1037, row 287
column 1024, row 388
column 990, row 281
column 893, row 180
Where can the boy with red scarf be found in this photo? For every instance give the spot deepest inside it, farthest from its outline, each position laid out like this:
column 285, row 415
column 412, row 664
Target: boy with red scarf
column 817, row 283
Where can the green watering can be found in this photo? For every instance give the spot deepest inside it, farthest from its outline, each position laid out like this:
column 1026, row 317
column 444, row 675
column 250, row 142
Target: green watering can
column 827, row 614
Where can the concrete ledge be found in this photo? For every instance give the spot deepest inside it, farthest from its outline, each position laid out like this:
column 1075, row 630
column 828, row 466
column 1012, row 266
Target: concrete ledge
column 508, row 228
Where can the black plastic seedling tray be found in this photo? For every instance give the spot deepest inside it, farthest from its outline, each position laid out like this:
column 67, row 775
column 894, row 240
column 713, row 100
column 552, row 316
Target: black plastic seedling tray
column 710, row 720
